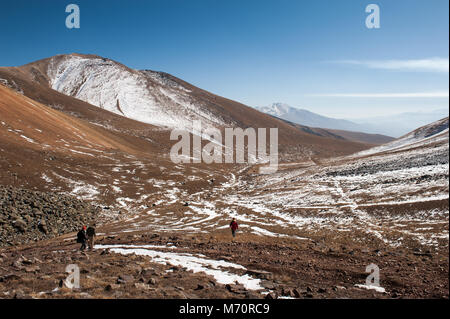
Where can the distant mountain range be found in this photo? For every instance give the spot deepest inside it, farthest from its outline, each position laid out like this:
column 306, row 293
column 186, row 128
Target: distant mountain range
column 394, row 126
column 403, row 123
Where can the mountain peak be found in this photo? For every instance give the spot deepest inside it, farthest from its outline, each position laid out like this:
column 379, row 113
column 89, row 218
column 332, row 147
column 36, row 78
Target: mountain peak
column 308, row 118
column 144, row 96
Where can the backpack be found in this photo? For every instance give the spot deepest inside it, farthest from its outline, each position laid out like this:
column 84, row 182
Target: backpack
column 80, row 237
column 90, row 232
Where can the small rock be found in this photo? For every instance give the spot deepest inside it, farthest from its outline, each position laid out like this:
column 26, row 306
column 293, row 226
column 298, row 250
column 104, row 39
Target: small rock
column 271, row 296
column 111, row 287
column 20, row 225
column 268, row 284
column 260, row 274
column 32, row 269
column 124, row 279
column 141, row 279
column 19, row 294
column 238, row 289
column 175, row 268
column 140, row 285
column 9, row 277
column 286, row 292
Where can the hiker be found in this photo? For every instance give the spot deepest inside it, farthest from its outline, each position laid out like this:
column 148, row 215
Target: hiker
column 82, row 238
column 91, row 236
column 234, row 226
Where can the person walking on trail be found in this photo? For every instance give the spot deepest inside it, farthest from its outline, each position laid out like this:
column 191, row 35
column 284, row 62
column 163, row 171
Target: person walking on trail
column 91, row 236
column 234, row 226
column 82, row 238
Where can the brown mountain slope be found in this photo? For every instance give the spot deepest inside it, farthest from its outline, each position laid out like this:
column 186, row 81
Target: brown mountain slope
column 41, row 126
column 375, row 139
column 33, row 80
column 37, row 140
column 358, row 137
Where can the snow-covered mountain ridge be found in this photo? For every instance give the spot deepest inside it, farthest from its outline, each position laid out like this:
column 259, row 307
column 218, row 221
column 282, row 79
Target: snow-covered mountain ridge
column 145, row 96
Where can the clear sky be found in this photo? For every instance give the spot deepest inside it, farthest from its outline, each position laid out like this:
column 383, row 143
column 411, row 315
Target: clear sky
column 317, row 55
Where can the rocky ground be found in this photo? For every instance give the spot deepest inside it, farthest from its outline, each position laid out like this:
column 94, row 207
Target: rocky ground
column 30, row 216
column 303, row 234
column 284, row 268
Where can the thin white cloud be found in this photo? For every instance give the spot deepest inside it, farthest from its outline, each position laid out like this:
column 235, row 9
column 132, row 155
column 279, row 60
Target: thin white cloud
column 437, row 94
column 421, row 65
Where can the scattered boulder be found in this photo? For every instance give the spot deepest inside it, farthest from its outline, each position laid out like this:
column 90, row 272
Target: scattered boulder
column 32, row 269
column 425, row 254
column 9, row 277
column 111, row 287
column 125, row 279
column 296, row 293
column 261, row 274
column 20, row 225
column 42, row 226
column 142, row 286
column 286, row 292
column 237, row 289
column 271, row 295
column 268, row 284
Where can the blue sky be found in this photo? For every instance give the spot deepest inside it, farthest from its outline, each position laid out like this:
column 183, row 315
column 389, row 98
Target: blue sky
column 317, row 55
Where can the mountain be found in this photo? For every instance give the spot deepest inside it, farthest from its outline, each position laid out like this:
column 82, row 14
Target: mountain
column 106, row 93
column 342, row 128
column 393, row 125
column 307, row 118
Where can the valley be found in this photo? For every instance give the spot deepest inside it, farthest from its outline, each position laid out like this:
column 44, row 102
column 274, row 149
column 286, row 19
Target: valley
column 71, row 133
